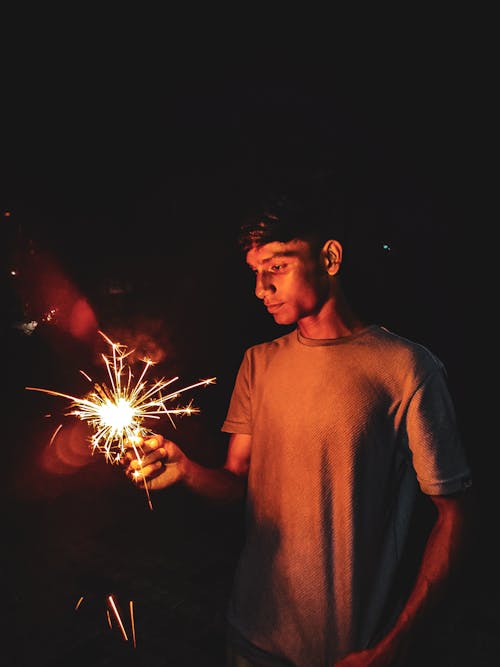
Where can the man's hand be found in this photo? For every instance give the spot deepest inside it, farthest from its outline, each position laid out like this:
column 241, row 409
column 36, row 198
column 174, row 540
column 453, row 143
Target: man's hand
column 385, row 654
column 155, row 461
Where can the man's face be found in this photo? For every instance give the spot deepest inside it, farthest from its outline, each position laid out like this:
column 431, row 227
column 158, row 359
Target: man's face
column 291, row 282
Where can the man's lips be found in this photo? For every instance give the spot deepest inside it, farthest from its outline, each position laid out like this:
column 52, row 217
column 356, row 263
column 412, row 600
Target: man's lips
column 272, row 307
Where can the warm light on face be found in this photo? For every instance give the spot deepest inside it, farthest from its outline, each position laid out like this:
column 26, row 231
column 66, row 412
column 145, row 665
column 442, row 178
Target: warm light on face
column 289, row 279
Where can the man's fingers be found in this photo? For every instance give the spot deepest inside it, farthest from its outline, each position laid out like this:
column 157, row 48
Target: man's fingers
column 143, row 444
column 148, row 458
column 138, row 448
column 146, row 472
column 147, row 465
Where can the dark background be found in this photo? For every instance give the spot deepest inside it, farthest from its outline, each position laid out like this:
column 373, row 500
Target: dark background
column 127, row 176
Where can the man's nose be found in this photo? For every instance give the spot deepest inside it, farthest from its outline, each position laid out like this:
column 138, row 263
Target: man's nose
column 263, row 284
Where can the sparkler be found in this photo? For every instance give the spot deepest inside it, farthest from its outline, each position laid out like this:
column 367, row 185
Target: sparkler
column 117, row 412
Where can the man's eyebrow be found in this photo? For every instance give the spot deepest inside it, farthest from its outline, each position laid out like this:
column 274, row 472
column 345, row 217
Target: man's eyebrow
column 275, row 255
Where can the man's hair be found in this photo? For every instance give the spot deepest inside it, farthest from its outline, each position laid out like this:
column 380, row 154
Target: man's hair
column 309, row 213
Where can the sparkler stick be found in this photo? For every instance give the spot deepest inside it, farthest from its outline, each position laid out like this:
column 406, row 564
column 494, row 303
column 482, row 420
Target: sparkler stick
column 117, row 412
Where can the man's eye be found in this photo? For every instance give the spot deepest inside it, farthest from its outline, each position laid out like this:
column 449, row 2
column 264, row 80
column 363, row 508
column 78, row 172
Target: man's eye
column 277, row 268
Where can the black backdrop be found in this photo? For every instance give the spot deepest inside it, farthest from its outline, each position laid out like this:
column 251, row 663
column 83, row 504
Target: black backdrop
column 131, row 187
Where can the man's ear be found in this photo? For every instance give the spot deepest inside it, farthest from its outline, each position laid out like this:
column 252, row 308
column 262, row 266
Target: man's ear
column 332, row 256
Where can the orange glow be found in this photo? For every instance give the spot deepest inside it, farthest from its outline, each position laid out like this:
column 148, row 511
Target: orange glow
column 53, row 296
column 82, row 322
column 67, row 451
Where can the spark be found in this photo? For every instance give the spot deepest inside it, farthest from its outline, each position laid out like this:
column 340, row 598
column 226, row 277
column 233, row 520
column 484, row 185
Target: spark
column 132, row 621
column 117, row 411
column 112, row 612
column 55, row 434
column 114, row 609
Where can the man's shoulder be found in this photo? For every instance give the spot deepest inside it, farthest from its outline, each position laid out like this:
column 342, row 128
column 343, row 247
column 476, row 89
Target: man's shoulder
column 402, row 348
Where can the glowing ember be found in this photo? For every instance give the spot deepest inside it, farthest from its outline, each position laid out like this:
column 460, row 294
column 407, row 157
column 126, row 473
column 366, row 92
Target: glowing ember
column 117, row 412
column 132, row 622
column 115, row 611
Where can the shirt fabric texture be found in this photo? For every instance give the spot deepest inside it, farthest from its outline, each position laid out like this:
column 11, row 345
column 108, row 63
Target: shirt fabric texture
column 346, row 433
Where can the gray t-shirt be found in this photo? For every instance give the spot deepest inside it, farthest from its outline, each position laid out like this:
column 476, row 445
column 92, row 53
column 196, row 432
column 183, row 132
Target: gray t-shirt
column 344, row 432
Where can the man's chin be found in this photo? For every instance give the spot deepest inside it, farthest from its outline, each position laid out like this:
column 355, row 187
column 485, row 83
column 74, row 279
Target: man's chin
column 282, row 319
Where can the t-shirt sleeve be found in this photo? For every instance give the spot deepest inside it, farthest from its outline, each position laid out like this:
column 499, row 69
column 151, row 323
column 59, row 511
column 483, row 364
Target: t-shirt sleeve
column 439, row 457
column 239, row 415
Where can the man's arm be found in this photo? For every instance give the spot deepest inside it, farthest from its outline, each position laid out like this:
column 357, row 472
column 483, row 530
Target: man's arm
column 162, row 463
column 444, row 556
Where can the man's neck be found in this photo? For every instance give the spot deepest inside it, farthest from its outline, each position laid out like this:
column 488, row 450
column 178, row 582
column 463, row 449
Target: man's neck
column 336, row 319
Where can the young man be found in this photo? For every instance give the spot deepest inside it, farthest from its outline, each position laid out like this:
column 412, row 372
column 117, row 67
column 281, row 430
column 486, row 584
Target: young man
column 337, row 429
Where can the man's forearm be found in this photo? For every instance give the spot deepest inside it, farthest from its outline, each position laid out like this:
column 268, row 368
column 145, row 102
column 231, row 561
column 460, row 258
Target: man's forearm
column 443, row 557
column 215, row 483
